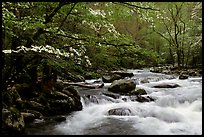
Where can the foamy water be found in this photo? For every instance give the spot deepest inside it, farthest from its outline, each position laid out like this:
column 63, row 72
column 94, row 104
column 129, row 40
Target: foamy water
column 175, row 111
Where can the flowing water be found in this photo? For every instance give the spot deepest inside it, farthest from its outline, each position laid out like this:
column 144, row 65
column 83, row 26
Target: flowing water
column 174, row 111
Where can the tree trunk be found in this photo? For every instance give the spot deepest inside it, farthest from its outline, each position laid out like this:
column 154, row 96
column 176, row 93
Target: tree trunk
column 178, row 59
column 171, row 57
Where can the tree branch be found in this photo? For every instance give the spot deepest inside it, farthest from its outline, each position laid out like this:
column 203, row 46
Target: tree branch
column 87, row 40
column 138, row 7
column 162, row 35
column 47, row 20
column 62, row 23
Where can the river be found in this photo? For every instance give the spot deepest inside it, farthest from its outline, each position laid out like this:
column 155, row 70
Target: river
column 175, row 111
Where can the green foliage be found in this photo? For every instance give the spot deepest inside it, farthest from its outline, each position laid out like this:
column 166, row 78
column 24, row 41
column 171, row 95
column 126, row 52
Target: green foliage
column 83, row 36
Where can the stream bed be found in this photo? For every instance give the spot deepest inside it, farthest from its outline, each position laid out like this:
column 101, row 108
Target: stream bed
column 174, row 111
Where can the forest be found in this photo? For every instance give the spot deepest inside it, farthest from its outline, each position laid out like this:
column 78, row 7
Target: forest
column 44, row 41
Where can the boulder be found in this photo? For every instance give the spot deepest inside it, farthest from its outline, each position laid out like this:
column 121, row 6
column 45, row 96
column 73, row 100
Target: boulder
column 61, row 102
column 122, row 86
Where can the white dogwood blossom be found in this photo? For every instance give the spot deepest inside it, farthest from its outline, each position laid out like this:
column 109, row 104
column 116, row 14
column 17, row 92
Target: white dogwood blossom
column 76, row 54
column 97, row 12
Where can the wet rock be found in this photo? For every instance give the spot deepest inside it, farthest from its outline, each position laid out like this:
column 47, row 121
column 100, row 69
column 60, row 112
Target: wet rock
column 112, row 95
column 144, row 81
column 192, row 73
column 123, row 73
column 97, row 99
column 34, row 105
column 60, row 118
column 80, row 78
column 110, row 78
column 28, row 117
column 156, row 69
column 37, row 115
column 57, row 95
column 167, row 85
column 25, row 90
column 122, row 86
column 138, row 91
column 183, row 76
column 12, row 121
column 140, row 98
column 11, row 96
column 120, row 111
column 144, row 99
column 72, row 90
column 92, row 98
column 124, row 99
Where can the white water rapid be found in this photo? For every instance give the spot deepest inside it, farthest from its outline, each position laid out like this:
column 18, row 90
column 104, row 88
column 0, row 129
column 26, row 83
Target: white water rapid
column 175, row 111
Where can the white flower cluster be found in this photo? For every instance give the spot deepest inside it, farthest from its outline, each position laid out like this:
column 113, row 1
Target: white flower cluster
column 196, row 10
column 96, row 26
column 97, row 12
column 46, row 48
column 111, row 28
column 87, row 60
column 73, row 53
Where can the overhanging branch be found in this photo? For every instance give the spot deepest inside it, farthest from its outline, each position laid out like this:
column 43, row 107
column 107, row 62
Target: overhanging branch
column 47, row 20
column 66, row 16
column 138, row 7
column 87, row 40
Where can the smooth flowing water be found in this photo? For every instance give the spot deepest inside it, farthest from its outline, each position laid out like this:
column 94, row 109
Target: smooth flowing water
column 175, row 111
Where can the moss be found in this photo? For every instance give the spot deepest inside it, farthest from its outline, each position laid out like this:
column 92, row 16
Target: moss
column 138, row 91
column 13, row 120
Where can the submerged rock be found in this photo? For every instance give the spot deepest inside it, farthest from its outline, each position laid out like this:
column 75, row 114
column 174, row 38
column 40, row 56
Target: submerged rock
column 138, row 98
column 112, row 95
column 167, row 85
column 120, row 111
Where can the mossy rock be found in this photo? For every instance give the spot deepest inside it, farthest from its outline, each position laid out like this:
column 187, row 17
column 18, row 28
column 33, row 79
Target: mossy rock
column 122, row 86
column 10, row 96
column 138, row 91
column 12, row 120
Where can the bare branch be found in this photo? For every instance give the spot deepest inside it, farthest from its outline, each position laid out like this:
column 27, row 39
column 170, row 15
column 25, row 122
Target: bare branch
column 162, row 35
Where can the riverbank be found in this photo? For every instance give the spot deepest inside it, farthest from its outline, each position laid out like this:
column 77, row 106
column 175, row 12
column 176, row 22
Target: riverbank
column 190, row 71
column 105, row 113
column 25, row 103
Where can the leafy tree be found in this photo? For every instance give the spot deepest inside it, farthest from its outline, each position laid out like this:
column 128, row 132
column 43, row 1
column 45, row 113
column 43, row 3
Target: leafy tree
column 45, row 39
column 174, row 24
